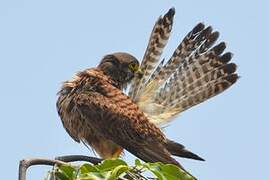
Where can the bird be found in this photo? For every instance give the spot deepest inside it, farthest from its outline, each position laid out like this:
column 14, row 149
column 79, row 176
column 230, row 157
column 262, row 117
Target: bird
column 95, row 110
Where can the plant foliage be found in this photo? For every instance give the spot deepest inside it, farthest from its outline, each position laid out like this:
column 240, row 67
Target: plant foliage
column 118, row 169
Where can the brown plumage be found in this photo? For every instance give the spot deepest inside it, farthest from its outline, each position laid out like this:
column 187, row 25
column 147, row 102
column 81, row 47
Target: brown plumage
column 94, row 110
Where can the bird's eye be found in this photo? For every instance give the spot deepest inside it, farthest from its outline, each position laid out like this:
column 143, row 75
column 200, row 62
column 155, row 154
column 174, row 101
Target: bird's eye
column 133, row 67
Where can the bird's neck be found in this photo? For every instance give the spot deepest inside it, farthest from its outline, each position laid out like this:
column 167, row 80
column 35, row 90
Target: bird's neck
column 112, row 78
column 100, row 74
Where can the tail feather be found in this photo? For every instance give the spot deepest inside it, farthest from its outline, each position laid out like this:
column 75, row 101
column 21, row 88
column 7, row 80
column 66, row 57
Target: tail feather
column 177, row 149
column 161, row 154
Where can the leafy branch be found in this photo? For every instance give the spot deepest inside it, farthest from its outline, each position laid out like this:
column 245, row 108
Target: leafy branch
column 61, row 160
column 96, row 169
column 118, row 169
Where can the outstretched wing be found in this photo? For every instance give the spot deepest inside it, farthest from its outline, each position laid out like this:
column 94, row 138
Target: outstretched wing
column 117, row 118
column 157, row 41
column 195, row 72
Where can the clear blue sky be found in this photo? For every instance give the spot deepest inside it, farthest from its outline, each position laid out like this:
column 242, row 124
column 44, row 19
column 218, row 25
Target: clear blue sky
column 43, row 43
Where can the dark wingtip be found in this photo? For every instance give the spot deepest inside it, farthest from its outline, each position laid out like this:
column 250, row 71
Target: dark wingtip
column 199, row 27
column 171, row 11
column 218, row 49
column 230, row 68
column 226, row 57
column 191, row 155
column 199, row 158
column 214, row 36
column 168, row 16
column 179, row 150
column 232, row 78
column 206, row 32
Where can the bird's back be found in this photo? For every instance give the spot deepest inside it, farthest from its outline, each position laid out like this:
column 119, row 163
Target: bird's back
column 71, row 118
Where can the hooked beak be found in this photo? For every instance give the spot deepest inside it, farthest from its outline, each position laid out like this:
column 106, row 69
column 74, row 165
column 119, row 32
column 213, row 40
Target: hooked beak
column 139, row 73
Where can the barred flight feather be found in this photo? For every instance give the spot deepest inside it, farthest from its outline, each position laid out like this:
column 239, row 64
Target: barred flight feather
column 158, row 39
column 195, row 72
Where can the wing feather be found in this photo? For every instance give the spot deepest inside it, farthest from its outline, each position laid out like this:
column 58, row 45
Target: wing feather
column 158, row 39
column 197, row 71
column 116, row 117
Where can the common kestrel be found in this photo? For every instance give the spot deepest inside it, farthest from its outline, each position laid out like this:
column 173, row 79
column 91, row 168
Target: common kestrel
column 94, row 109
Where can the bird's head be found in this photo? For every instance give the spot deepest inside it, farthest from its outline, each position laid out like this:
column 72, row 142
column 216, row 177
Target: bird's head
column 121, row 67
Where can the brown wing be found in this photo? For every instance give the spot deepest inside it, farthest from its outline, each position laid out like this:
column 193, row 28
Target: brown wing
column 116, row 117
column 76, row 126
column 69, row 120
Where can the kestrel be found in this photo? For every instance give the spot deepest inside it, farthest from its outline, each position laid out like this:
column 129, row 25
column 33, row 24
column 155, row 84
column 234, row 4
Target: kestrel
column 95, row 110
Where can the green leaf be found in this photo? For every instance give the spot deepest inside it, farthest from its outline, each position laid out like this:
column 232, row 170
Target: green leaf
column 173, row 172
column 119, row 170
column 110, row 164
column 86, row 168
column 155, row 169
column 138, row 162
column 92, row 176
column 69, row 171
column 61, row 176
column 114, row 169
column 158, row 174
